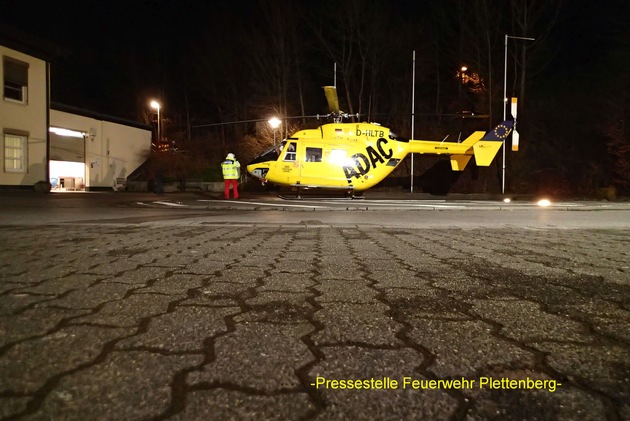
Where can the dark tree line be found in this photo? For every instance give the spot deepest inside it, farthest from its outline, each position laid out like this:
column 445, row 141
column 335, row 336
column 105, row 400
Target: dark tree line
column 241, row 60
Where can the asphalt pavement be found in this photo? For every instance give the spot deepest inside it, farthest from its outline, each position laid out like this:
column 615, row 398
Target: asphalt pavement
column 105, row 315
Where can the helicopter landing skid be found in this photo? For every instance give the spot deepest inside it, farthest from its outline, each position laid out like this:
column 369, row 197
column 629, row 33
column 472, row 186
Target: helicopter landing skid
column 348, row 194
column 284, row 197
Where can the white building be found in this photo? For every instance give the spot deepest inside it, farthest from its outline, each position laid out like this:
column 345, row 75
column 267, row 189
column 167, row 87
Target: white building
column 88, row 151
column 72, row 149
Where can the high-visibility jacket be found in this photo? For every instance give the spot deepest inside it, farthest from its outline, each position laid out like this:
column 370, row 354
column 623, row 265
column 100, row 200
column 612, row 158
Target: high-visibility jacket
column 231, row 169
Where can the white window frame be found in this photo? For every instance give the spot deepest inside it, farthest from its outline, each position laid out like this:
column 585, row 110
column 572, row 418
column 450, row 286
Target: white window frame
column 15, row 150
column 314, row 154
column 19, row 87
column 291, row 152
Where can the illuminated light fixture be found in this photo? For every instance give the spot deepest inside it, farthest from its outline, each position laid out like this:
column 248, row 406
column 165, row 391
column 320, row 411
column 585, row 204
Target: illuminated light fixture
column 507, row 200
column 157, row 106
column 66, row 132
column 544, row 203
column 274, row 122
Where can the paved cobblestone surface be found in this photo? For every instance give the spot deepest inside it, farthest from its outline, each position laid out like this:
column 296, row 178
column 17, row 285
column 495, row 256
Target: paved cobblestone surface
column 235, row 322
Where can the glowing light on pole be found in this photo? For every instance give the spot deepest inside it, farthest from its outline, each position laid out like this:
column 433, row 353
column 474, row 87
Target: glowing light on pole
column 274, row 123
column 157, row 106
column 413, row 111
column 462, row 80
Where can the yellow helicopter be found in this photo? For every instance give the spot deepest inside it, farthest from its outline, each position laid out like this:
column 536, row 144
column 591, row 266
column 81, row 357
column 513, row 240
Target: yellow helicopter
column 356, row 156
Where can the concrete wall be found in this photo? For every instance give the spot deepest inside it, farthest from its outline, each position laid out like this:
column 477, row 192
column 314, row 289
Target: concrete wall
column 112, row 150
column 27, row 119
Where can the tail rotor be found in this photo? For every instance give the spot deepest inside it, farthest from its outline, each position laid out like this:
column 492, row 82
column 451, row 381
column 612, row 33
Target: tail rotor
column 515, row 135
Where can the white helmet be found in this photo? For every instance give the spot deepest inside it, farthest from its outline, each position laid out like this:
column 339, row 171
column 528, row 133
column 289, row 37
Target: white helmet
column 230, row 156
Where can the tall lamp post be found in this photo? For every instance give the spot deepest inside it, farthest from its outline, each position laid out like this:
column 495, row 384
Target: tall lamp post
column 413, row 111
column 505, row 99
column 274, row 123
column 462, row 80
column 156, row 106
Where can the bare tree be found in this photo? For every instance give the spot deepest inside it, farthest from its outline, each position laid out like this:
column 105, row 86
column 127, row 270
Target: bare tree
column 535, row 19
column 273, row 60
column 347, row 34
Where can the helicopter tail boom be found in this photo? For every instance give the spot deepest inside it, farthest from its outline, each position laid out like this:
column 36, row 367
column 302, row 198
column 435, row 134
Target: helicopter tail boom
column 483, row 145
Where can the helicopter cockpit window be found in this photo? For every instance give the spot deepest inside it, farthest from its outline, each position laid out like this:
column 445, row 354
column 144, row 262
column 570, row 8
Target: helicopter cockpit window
column 270, row 154
column 290, row 154
column 313, row 154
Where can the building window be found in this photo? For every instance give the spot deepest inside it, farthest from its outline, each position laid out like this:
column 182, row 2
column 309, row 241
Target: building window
column 14, row 153
column 15, row 80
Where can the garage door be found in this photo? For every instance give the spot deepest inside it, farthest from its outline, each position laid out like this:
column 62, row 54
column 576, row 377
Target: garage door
column 66, row 148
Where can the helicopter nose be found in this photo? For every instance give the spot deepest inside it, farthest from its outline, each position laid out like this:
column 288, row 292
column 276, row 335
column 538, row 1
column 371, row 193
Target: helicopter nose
column 257, row 171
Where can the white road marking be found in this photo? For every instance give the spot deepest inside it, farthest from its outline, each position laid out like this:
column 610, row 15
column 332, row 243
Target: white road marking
column 372, row 204
column 171, row 204
column 277, row 204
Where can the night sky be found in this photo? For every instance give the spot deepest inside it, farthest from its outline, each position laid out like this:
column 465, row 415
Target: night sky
column 203, row 60
column 101, row 36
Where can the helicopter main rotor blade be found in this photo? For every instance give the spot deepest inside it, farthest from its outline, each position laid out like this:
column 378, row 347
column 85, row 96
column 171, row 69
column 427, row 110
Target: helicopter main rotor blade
column 226, row 123
column 333, row 100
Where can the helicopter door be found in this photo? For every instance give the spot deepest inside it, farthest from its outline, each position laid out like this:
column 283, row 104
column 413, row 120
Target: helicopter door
column 290, row 165
column 312, row 166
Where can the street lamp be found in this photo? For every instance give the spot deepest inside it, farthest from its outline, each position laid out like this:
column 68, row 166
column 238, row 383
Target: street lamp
column 156, row 106
column 505, row 100
column 274, row 122
column 462, row 80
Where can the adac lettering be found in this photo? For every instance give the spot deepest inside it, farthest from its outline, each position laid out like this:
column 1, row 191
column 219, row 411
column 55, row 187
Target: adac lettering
column 363, row 163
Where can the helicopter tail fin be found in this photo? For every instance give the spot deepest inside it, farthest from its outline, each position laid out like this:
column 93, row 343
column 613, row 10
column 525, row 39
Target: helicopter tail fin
column 473, row 138
column 459, row 162
column 485, row 145
column 485, row 151
column 500, row 132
